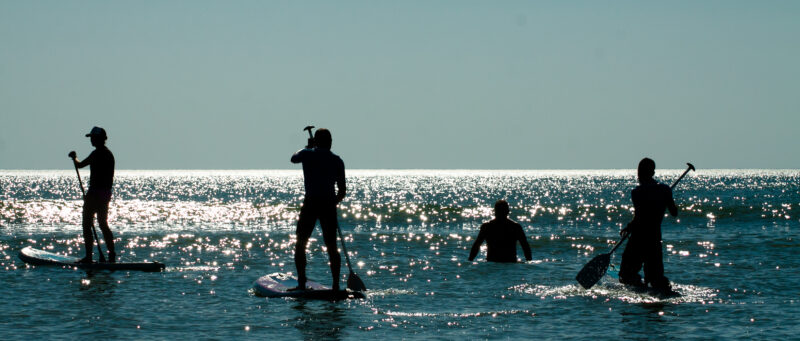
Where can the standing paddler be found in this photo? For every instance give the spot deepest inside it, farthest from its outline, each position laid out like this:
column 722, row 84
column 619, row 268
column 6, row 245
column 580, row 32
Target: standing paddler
column 95, row 201
column 323, row 173
column 650, row 200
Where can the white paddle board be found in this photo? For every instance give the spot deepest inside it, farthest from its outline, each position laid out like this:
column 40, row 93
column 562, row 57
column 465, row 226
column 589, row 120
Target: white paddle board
column 279, row 285
column 40, row 257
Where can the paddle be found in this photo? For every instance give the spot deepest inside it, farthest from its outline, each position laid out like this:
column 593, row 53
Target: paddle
column 353, row 281
column 83, row 194
column 310, row 143
column 597, row 267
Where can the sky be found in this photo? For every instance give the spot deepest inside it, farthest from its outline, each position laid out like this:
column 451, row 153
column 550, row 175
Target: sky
column 402, row 84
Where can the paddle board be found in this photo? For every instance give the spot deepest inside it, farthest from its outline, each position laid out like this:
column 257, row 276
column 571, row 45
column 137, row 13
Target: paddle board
column 653, row 292
column 40, row 257
column 278, row 285
column 614, row 273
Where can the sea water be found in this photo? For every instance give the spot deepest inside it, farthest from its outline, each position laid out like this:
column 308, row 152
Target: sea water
column 732, row 253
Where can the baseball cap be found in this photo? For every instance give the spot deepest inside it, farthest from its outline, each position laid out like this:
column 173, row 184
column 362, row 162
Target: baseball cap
column 97, row 131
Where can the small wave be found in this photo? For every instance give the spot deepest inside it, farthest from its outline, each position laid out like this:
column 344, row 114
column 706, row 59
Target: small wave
column 620, row 292
column 193, row 268
column 391, row 292
column 454, row 315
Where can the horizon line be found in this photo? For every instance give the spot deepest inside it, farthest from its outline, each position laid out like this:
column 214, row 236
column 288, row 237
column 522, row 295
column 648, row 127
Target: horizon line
column 399, row 169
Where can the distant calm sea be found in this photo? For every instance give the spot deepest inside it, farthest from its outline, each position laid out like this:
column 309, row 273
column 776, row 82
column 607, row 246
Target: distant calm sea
column 732, row 252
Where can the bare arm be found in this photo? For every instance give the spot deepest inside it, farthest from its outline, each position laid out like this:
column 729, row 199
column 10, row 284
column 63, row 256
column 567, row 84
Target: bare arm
column 80, row 164
column 477, row 245
column 298, row 157
column 673, row 209
column 526, row 249
column 342, row 185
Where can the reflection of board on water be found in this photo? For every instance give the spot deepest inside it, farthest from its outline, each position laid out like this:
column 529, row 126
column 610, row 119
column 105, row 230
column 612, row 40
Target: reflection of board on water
column 280, row 285
column 653, row 292
column 40, row 257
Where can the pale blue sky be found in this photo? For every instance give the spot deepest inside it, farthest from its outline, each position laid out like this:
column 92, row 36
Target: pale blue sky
column 402, row 84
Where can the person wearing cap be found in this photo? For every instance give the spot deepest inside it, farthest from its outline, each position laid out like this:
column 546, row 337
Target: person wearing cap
column 101, row 164
column 323, row 174
column 501, row 235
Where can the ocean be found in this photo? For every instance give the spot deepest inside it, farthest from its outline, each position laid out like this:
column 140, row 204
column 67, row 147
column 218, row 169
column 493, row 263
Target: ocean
column 731, row 253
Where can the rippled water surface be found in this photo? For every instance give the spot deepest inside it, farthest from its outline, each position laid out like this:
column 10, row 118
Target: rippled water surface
column 732, row 253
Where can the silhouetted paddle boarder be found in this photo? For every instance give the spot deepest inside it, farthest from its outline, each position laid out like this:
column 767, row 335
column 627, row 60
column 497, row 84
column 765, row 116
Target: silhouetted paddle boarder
column 650, row 200
column 501, row 235
column 323, row 173
column 96, row 199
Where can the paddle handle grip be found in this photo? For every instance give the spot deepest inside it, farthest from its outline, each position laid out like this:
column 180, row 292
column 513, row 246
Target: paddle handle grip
column 691, row 167
column 310, row 143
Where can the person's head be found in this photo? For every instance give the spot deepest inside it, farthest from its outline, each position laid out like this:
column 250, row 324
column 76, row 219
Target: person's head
column 501, row 209
column 647, row 168
column 97, row 136
column 322, row 138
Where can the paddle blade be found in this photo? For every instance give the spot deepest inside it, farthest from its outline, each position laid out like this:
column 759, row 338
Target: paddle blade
column 593, row 271
column 354, row 283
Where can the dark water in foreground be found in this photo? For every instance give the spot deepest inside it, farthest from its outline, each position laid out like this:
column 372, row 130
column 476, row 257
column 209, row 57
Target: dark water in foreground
column 732, row 253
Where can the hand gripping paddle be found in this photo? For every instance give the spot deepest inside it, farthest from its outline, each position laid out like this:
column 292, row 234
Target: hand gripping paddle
column 310, row 136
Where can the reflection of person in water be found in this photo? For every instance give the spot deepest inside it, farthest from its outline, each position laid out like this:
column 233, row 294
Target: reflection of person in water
column 650, row 199
column 326, row 322
column 323, row 172
column 101, row 180
column 501, row 236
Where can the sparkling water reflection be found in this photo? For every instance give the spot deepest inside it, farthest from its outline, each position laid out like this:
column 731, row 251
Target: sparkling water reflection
column 732, row 253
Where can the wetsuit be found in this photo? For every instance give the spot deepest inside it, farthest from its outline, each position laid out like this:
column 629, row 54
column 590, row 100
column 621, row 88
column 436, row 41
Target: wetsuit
column 501, row 236
column 322, row 171
column 650, row 200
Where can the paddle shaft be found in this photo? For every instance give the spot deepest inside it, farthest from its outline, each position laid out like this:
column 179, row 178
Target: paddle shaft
column 619, row 243
column 94, row 231
column 344, row 249
column 682, row 175
column 80, row 182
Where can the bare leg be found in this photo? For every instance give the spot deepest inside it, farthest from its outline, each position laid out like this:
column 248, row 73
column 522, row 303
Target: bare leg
column 631, row 263
column 300, row 262
column 654, row 268
column 88, row 239
column 102, row 220
column 335, row 260
column 305, row 225
column 329, row 227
